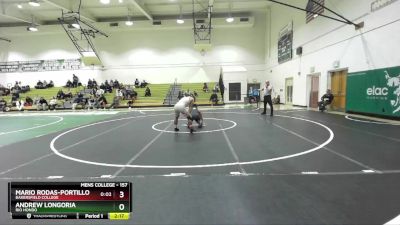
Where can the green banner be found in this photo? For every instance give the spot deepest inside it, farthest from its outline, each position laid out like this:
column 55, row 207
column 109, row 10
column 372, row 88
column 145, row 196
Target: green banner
column 374, row 92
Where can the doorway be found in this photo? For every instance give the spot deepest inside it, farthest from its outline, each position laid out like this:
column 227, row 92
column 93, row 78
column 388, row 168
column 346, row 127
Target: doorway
column 235, row 91
column 314, row 91
column 338, row 88
column 289, row 91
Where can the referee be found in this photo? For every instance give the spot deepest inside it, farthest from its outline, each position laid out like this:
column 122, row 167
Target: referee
column 267, row 98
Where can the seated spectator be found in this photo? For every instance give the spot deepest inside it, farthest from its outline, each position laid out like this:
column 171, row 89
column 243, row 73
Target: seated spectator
column 205, row 88
column 102, row 86
column 214, row 98
column 44, row 84
column 25, row 88
column 147, row 92
column 94, row 83
column 28, row 101
column 90, row 84
column 68, row 95
column 42, row 104
column 116, row 84
column 91, row 103
column 143, row 84
column 53, row 104
column 39, row 85
column 15, row 95
column 99, row 92
column 3, row 105
column 50, row 84
column 277, row 100
column 79, row 100
column 326, row 100
column 60, row 94
column 69, row 84
column 102, row 102
column 111, row 83
column 118, row 94
column 137, row 83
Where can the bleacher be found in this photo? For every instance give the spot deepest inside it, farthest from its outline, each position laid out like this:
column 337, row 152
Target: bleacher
column 159, row 92
column 203, row 97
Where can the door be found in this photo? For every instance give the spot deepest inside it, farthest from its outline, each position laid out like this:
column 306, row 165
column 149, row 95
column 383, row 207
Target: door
column 338, row 88
column 235, row 91
column 314, row 92
column 289, row 91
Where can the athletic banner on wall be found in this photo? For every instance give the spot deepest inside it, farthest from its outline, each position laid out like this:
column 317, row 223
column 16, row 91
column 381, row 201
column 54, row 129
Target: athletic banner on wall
column 374, row 91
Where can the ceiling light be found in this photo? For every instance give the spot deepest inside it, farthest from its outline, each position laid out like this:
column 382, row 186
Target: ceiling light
column 121, row 1
column 76, row 25
column 180, row 21
column 315, row 15
column 32, row 28
column 89, row 54
column 34, row 3
column 19, row 6
column 230, row 19
column 129, row 22
column 105, row 1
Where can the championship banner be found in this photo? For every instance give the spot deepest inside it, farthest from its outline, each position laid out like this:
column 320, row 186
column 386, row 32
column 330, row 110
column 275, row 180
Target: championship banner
column 374, row 92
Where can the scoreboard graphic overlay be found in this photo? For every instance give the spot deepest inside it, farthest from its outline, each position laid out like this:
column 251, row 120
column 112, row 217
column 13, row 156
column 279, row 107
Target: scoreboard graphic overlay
column 70, row 200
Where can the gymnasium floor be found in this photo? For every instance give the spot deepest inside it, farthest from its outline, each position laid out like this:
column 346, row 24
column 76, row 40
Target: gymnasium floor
column 298, row 167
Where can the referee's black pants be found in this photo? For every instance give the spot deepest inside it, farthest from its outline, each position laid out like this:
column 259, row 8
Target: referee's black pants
column 268, row 99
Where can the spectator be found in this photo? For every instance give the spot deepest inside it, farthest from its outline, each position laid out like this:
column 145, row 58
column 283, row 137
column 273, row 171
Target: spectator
column 214, row 98
column 180, row 95
column 94, row 83
column 116, row 84
column 326, row 100
column 44, row 84
column 39, row 85
column 90, row 84
column 111, row 83
column 42, row 104
column 69, row 84
column 118, row 94
column 75, row 81
column 91, row 102
column 79, row 100
column 147, row 92
column 28, row 101
column 99, row 92
column 195, row 94
column 53, row 104
column 137, row 83
column 51, row 84
column 205, row 88
column 60, row 94
column 3, row 105
column 143, row 84
column 102, row 102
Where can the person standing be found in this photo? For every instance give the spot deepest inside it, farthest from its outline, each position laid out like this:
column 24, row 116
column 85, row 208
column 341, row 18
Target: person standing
column 181, row 107
column 267, row 97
